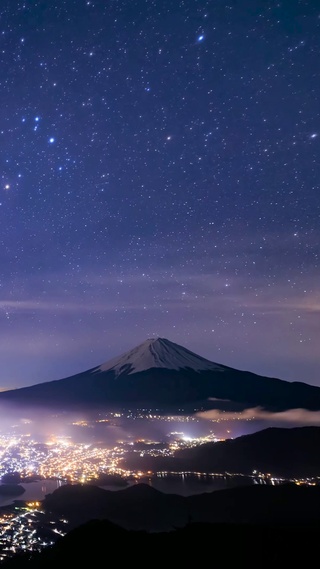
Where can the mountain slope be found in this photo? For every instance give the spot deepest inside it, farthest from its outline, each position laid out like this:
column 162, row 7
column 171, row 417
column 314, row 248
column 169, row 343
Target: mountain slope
column 287, row 453
column 163, row 375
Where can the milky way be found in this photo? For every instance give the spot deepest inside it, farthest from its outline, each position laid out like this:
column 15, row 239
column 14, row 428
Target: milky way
column 159, row 177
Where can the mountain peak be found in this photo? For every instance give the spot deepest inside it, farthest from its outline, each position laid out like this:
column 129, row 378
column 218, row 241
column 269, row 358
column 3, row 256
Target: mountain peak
column 158, row 353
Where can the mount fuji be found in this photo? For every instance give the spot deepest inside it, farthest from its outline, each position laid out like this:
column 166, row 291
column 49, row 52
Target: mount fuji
column 159, row 374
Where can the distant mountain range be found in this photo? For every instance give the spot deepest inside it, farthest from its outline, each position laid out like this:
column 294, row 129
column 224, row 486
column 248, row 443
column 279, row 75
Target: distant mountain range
column 284, row 453
column 163, row 375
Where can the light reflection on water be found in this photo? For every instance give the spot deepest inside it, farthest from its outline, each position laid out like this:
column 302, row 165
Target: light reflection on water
column 34, row 491
column 184, row 485
column 190, row 484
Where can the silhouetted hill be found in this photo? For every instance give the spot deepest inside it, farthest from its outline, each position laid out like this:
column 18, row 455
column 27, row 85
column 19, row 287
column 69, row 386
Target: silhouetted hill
column 196, row 544
column 286, row 505
column 165, row 376
column 136, row 507
column 287, row 453
column 143, row 508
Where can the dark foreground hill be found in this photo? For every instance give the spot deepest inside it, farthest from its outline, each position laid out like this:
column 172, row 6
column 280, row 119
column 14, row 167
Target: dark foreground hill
column 162, row 375
column 265, row 539
column 141, row 507
column 136, row 507
column 287, row 453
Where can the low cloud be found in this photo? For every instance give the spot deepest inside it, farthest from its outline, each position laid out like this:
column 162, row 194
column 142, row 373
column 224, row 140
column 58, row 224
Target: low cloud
column 296, row 416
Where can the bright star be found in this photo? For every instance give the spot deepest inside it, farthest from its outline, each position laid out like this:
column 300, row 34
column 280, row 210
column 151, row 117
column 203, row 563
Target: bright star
column 200, row 38
column 52, row 140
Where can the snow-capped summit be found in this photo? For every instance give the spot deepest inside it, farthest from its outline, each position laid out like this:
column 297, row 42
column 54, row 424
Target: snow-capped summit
column 161, row 375
column 158, row 353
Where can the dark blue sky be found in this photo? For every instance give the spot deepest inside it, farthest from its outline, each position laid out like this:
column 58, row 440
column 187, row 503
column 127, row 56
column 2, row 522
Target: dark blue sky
column 159, row 177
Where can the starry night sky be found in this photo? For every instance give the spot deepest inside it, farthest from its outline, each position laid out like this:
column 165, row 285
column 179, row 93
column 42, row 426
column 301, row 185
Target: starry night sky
column 159, row 177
